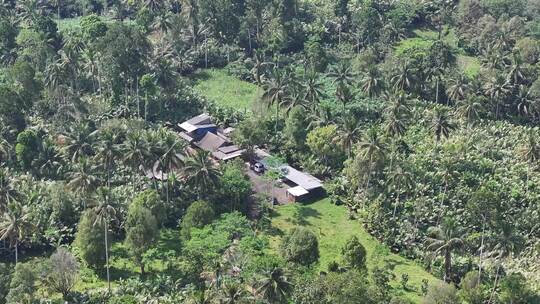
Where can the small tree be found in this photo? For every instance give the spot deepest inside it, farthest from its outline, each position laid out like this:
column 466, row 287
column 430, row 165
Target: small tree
column 354, row 253
column 63, row 270
column 301, row 246
column 141, row 232
column 90, row 240
column 197, row 215
column 5, row 279
column 22, row 285
column 441, row 293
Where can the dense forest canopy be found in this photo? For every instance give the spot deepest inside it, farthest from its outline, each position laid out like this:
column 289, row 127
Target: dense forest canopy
column 420, row 117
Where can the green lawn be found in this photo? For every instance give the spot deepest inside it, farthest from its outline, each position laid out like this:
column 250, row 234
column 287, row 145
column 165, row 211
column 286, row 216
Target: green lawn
column 226, row 90
column 331, row 224
column 469, row 65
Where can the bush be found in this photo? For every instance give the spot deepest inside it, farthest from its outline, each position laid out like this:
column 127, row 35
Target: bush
column 197, row 215
column 441, row 293
column 22, row 285
column 141, row 232
column 354, row 253
column 300, row 245
column 90, row 240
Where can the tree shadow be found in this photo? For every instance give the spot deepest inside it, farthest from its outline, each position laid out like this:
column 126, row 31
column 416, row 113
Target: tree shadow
column 199, row 76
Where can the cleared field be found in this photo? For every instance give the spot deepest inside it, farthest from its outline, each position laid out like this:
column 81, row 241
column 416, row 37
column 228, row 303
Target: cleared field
column 226, row 90
column 333, row 228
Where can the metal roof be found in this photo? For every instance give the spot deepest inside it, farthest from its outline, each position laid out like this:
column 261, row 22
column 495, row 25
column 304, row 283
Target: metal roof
column 297, row 191
column 305, row 180
column 211, row 142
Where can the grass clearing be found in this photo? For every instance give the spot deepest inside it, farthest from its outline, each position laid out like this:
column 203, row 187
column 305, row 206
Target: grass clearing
column 333, row 228
column 225, row 90
column 469, row 65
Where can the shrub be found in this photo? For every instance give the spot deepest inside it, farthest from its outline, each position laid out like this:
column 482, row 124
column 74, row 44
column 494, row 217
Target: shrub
column 354, row 253
column 197, row 215
column 300, row 245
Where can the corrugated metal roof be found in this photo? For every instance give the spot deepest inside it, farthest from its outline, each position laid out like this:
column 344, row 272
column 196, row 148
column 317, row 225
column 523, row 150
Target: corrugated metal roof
column 305, row 180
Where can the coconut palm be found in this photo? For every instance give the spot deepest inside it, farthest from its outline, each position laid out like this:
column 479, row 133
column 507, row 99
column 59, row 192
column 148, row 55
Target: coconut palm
column 457, row 88
column 443, row 240
column 470, row 109
column 400, row 180
column 296, row 99
column 343, row 78
column 170, row 157
column 402, row 78
column 274, row 286
column 105, row 212
column 516, row 72
column 441, row 123
column 79, row 142
column 313, row 89
column 163, row 23
column 136, row 152
column 200, row 171
column 530, row 152
column 82, row 178
column 372, row 150
column 15, row 225
column 8, row 191
column 276, row 89
column 50, row 160
column 527, row 105
column 371, row 83
column 497, row 88
column 108, row 150
column 233, row 293
column 204, row 296
column 397, row 115
column 349, row 130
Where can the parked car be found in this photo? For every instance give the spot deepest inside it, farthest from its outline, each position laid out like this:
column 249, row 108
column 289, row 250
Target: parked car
column 258, row 168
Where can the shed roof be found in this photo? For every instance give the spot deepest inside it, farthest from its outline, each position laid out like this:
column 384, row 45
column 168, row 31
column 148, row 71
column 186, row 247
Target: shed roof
column 297, row 191
column 305, row 180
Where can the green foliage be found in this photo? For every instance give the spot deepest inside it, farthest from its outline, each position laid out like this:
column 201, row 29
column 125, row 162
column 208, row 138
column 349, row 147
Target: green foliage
column 198, row 214
column 322, row 142
column 5, row 280
column 234, row 188
column 93, row 27
column 354, row 253
column 141, row 232
column 514, row 289
column 301, row 246
column 27, row 148
column 441, row 293
column 471, row 289
column 23, row 284
column 90, row 240
column 151, row 200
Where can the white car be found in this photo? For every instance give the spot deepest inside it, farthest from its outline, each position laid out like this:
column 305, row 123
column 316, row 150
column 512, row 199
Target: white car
column 258, row 168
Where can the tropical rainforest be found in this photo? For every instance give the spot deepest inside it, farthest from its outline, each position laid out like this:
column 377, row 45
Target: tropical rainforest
column 420, row 117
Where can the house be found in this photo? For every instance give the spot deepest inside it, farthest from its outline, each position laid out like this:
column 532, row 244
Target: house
column 197, row 127
column 205, row 135
column 302, row 185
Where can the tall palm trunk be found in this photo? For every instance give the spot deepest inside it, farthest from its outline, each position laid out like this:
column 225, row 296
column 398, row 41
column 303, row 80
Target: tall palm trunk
column 447, row 265
column 16, row 252
column 481, row 247
column 106, row 230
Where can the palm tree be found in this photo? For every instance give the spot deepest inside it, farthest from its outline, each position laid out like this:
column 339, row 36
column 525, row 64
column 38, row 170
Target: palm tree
column 162, row 23
column 8, row 191
column 274, row 286
column 82, row 178
column 108, row 150
column 397, row 115
column 497, row 89
column 79, row 142
column 296, row 99
column 527, row 105
column 530, row 152
column 349, row 132
column 15, row 225
column 457, row 88
column 343, row 78
column 507, row 242
column 200, row 171
column 313, row 89
column 153, row 5
column 470, row 109
column 516, row 72
column 50, row 159
column 276, row 89
column 444, row 240
column 441, row 124
column 136, row 152
column 233, row 293
column 402, row 77
column 372, row 150
column 372, row 83
column 104, row 214
column 400, row 180
column 170, row 147
column 204, row 296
